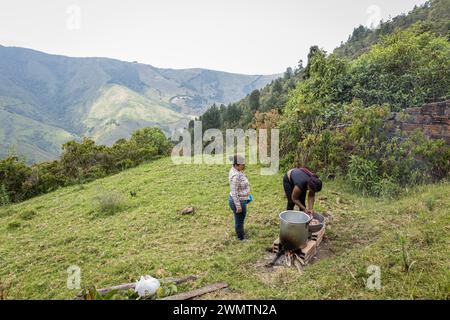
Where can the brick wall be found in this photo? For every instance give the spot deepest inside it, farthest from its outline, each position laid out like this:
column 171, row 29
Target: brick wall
column 433, row 119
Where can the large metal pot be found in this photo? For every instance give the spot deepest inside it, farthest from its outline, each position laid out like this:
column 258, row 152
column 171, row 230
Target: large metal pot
column 294, row 229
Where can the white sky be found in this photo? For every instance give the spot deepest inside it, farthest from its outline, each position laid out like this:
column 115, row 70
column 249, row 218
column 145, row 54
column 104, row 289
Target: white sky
column 243, row 36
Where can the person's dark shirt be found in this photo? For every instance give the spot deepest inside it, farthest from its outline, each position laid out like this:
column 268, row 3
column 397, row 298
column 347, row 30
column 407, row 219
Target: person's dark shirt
column 300, row 179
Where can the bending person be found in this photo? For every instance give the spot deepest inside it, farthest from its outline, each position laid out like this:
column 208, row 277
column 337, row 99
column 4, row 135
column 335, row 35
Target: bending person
column 297, row 182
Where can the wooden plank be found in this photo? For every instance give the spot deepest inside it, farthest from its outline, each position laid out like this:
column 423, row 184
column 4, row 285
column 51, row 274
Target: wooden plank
column 198, row 292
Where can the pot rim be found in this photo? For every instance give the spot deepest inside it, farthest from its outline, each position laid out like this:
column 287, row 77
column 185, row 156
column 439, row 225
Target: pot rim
column 294, row 211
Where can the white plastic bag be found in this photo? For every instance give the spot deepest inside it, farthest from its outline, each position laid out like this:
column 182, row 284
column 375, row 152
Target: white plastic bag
column 147, row 286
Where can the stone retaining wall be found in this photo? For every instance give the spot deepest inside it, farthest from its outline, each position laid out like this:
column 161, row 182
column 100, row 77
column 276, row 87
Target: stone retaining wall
column 433, row 119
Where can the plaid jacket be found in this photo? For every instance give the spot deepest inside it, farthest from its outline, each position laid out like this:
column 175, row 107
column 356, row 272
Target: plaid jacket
column 239, row 185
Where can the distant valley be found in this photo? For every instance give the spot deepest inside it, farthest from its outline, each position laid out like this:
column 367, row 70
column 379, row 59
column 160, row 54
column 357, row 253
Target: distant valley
column 46, row 100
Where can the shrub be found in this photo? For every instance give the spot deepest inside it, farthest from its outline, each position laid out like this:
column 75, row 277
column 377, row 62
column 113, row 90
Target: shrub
column 430, row 203
column 153, row 140
column 387, row 187
column 13, row 174
column 4, row 196
column 404, row 69
column 13, row 225
column 28, row 215
column 363, row 175
column 110, row 202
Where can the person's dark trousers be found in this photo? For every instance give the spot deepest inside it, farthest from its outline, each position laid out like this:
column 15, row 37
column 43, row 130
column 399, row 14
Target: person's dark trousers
column 239, row 218
column 288, row 189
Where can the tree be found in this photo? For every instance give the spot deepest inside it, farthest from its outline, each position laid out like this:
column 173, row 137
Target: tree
column 13, row 174
column 211, row 119
column 253, row 101
column 277, row 88
column 314, row 52
column 151, row 139
column 288, row 73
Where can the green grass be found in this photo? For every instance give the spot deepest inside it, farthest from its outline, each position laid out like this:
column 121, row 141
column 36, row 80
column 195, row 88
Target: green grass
column 148, row 236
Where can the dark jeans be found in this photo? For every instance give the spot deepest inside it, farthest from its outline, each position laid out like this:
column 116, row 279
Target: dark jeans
column 239, row 218
column 288, row 189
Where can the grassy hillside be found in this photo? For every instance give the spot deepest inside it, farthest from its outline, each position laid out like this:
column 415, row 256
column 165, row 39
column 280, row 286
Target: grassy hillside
column 119, row 108
column 42, row 237
column 30, row 138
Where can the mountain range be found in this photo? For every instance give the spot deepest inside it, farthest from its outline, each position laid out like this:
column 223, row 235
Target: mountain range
column 46, row 100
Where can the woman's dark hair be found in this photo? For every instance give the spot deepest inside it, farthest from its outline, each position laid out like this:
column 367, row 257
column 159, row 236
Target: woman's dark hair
column 237, row 159
column 315, row 184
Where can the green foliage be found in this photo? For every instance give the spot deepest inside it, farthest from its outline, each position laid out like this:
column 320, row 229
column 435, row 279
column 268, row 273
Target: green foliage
column 253, row 101
column 405, row 69
column 430, row 203
column 211, row 119
column 336, row 119
column 241, row 114
column 4, row 196
column 150, row 142
column 13, row 174
column 80, row 159
column 363, row 175
column 406, row 258
column 167, row 289
column 435, row 14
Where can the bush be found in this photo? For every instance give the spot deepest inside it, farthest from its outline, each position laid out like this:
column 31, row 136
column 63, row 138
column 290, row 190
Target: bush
column 14, row 225
column 363, row 175
column 430, row 203
column 110, row 202
column 4, row 196
column 388, row 188
column 13, row 174
column 152, row 140
column 404, row 70
column 28, row 215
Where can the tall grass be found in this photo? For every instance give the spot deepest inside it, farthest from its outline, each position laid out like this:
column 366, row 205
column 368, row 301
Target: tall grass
column 110, row 202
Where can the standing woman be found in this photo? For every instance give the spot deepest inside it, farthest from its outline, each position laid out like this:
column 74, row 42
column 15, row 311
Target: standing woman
column 239, row 195
column 297, row 182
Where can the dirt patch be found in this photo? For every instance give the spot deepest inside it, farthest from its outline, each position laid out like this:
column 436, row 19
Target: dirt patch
column 324, row 251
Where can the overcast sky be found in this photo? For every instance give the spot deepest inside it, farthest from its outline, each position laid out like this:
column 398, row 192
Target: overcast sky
column 243, row 36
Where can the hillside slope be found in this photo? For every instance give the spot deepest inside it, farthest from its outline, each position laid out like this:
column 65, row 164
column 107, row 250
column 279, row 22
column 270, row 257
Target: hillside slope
column 41, row 238
column 434, row 14
column 60, row 91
